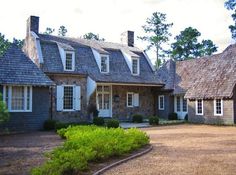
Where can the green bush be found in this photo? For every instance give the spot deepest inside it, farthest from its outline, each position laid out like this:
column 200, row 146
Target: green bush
column 87, row 144
column 153, row 120
column 99, row 121
column 49, row 124
column 60, row 125
column 4, row 114
column 137, row 118
column 173, row 116
column 113, row 123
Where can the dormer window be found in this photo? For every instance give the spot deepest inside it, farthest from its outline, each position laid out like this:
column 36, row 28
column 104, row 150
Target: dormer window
column 69, row 60
column 135, row 66
column 104, row 63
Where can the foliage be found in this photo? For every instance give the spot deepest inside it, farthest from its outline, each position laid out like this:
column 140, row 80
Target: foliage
column 173, row 116
column 230, row 5
column 49, row 31
column 99, row 121
column 92, row 109
column 4, row 115
column 92, row 36
column 49, row 124
column 4, row 44
column 113, row 123
column 85, row 144
column 157, row 33
column 137, row 118
column 60, row 125
column 18, row 42
column 154, row 120
column 62, row 31
column 187, row 46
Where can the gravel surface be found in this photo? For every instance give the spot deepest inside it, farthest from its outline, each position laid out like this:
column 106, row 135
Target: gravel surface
column 20, row 152
column 185, row 149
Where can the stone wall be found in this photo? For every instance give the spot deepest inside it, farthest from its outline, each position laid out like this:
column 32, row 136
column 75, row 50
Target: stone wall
column 72, row 116
column 208, row 112
column 168, row 105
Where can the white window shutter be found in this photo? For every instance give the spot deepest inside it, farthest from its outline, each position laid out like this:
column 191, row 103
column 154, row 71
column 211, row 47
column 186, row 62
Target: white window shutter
column 60, row 94
column 77, row 100
column 136, row 99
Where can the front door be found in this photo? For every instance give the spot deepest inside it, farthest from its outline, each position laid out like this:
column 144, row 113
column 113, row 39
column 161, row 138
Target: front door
column 104, row 101
column 181, row 107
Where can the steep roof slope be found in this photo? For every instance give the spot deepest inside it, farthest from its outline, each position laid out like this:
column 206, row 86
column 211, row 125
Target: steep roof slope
column 85, row 62
column 16, row 68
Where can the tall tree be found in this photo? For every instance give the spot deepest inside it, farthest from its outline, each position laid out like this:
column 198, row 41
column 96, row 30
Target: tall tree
column 187, row 46
column 92, row 36
column 62, row 31
column 157, row 33
column 230, row 5
column 18, row 42
column 4, row 44
column 49, row 31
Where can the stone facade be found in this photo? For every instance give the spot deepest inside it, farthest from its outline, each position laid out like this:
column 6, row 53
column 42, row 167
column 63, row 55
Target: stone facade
column 168, row 105
column 208, row 112
column 72, row 116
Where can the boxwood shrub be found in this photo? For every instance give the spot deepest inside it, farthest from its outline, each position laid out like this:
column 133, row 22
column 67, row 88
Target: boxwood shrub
column 86, row 144
column 112, row 123
column 153, row 120
column 137, row 118
column 99, row 121
column 173, row 116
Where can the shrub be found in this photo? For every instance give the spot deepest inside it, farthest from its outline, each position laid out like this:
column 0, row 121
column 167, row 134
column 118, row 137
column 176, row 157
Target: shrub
column 49, row 124
column 137, row 118
column 87, row 144
column 113, row 123
column 99, row 121
column 186, row 117
column 60, row 125
column 173, row 116
column 153, row 120
column 4, row 115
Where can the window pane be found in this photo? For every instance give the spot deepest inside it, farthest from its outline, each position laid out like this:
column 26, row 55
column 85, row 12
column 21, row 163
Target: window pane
column 68, row 97
column 161, row 101
column 199, row 106
column 218, row 106
column 106, row 101
column 135, row 66
column 17, row 102
column 99, row 101
column 130, row 100
column 184, row 105
column 99, row 88
column 106, row 88
column 28, row 98
column 68, row 61
column 178, row 104
column 104, row 64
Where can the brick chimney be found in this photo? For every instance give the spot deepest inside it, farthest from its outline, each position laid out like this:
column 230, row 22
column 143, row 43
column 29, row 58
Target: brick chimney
column 32, row 25
column 127, row 38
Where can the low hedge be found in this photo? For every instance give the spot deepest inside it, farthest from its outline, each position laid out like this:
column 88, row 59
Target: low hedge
column 99, row 121
column 173, row 116
column 153, row 120
column 49, row 124
column 137, row 118
column 86, row 144
column 112, row 123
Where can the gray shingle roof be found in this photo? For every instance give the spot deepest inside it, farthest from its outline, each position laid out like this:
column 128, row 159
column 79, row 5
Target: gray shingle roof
column 17, row 68
column 85, row 62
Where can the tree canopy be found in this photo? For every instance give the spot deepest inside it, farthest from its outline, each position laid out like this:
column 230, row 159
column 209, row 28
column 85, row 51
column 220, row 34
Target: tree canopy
column 230, row 5
column 187, row 46
column 157, row 33
column 62, row 31
column 49, row 31
column 4, row 44
column 92, row 36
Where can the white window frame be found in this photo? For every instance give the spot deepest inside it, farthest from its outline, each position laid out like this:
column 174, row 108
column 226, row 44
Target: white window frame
column 133, row 99
column 107, row 62
column 68, row 110
column 196, row 107
column 138, row 66
column 159, row 102
column 25, row 98
column 221, row 105
column 73, row 61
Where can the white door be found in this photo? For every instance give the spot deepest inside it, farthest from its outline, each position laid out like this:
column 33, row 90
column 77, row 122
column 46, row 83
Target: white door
column 104, row 101
column 181, row 107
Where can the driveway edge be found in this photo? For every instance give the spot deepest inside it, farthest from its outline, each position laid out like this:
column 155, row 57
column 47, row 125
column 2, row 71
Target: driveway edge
column 123, row 160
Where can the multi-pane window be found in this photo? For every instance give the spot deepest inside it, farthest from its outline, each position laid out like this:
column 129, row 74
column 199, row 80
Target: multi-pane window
column 199, row 107
column 103, row 97
column 18, row 98
column 178, row 104
column 69, row 61
column 135, row 66
column 68, row 98
column 130, row 99
column 218, row 107
column 184, row 105
column 104, row 64
column 161, row 102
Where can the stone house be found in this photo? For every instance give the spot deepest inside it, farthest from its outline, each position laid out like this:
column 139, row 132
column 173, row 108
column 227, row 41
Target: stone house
column 25, row 90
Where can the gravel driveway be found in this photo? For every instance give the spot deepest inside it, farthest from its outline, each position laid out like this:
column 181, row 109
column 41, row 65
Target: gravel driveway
column 185, row 149
column 20, row 152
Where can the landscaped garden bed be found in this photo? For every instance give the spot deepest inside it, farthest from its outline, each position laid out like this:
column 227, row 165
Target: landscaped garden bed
column 86, row 145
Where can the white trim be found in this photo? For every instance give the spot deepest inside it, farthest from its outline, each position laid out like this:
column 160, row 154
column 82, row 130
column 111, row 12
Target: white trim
column 159, row 102
column 128, row 59
column 97, row 58
column 107, row 62
column 129, row 84
column 37, row 46
column 138, row 66
column 127, row 104
column 110, row 102
column 196, row 107
column 221, row 105
column 73, row 60
column 73, row 105
column 149, row 61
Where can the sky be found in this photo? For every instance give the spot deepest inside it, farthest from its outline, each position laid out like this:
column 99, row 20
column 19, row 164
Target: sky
column 109, row 18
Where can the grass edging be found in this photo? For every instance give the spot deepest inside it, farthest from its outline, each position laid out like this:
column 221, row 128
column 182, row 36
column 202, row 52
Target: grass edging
column 123, row 161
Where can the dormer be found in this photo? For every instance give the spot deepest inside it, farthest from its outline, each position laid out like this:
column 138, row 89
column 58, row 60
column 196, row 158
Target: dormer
column 102, row 60
column 133, row 62
column 67, row 54
column 135, row 66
